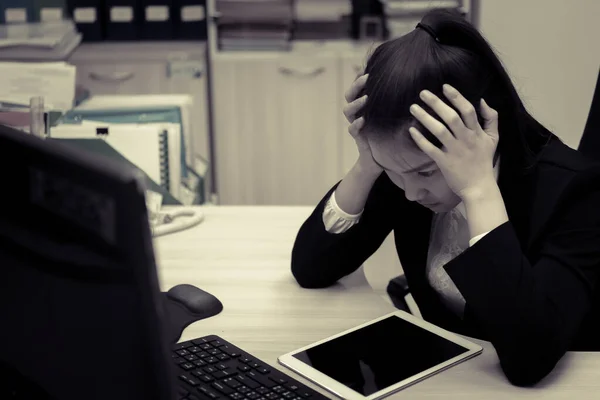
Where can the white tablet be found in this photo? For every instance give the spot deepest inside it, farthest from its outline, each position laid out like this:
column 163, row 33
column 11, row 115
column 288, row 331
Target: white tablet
column 380, row 357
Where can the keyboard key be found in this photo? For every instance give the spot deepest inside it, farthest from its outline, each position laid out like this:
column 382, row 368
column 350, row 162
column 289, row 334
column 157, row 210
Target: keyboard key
column 232, row 383
column 202, row 354
column 207, row 378
column 200, row 363
column 217, row 343
column 272, row 396
column 262, row 390
column 246, row 360
column 207, row 391
column 193, row 381
column 226, row 390
column 198, row 373
column 263, row 380
column 263, row 370
column 236, row 396
column 209, row 370
column 291, row 388
column 205, row 346
column 252, row 395
column 182, row 353
column 220, row 374
column 181, row 346
column 194, row 349
column 248, row 382
column 254, row 364
column 191, row 357
column 187, row 366
column 278, row 380
column 211, row 360
column 222, row 357
column 288, row 395
column 243, row 389
column 230, row 351
column 184, row 378
column 244, row 368
column 278, row 389
column 198, row 342
column 221, row 366
column 178, row 360
column 305, row 394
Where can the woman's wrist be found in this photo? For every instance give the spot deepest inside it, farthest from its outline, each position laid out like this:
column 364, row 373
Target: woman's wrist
column 485, row 208
column 367, row 169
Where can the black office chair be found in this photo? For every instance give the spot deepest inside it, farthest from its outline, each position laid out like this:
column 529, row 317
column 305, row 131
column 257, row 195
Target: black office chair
column 590, row 140
column 589, row 145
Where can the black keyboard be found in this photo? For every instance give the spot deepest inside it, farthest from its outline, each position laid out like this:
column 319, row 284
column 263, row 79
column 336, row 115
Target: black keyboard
column 210, row 368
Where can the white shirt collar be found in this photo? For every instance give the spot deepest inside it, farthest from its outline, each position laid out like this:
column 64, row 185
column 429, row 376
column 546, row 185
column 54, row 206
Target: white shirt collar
column 461, row 206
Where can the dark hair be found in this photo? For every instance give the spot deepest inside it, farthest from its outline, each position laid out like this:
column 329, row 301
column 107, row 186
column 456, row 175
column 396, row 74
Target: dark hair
column 400, row 68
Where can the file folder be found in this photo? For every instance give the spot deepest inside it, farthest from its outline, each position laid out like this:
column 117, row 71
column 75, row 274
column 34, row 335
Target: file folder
column 101, row 147
column 122, row 19
column 190, row 19
column 16, row 11
column 49, row 10
column 154, row 149
column 157, row 20
column 173, row 108
column 88, row 17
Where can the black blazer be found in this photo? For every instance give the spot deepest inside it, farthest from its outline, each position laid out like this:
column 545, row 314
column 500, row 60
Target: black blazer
column 530, row 285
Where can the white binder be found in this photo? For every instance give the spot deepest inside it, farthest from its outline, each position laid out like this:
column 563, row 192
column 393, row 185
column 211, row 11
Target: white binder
column 136, row 102
column 154, row 148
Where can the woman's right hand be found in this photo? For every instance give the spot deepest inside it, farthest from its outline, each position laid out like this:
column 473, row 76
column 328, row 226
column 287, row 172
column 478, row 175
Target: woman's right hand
column 353, row 106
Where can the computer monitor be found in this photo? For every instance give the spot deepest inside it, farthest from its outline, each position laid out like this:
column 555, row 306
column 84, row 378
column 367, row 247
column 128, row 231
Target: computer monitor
column 80, row 309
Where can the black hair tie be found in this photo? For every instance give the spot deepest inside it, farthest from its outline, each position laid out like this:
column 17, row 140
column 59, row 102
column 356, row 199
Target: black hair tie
column 429, row 30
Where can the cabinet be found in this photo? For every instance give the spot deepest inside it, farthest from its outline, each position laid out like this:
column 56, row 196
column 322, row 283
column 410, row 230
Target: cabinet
column 149, row 68
column 276, row 128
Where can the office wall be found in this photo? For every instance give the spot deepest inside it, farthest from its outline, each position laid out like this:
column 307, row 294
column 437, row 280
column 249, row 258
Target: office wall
column 551, row 49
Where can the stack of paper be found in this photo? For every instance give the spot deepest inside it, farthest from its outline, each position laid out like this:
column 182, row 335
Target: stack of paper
column 403, row 7
column 403, row 15
column 255, row 24
column 55, row 82
column 321, row 10
column 45, row 41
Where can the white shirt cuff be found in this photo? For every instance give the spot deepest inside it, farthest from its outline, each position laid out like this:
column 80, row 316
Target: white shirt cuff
column 477, row 238
column 337, row 220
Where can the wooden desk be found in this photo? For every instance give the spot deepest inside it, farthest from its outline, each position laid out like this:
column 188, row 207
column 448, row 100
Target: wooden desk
column 242, row 256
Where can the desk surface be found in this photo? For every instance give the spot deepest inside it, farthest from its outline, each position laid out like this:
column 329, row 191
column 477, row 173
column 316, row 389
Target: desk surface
column 242, row 256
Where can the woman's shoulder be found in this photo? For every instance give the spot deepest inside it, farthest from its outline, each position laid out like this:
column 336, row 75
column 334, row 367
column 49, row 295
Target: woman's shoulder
column 563, row 175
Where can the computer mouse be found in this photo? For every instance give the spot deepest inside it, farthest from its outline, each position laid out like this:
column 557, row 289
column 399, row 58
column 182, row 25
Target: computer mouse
column 195, row 300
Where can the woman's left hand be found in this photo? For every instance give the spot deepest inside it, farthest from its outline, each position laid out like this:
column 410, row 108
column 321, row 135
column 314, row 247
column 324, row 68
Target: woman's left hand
column 466, row 158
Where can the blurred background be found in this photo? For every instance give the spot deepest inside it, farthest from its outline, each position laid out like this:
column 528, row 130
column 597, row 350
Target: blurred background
column 239, row 102
column 257, row 85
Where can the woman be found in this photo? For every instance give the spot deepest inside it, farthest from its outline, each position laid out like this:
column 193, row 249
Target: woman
column 496, row 221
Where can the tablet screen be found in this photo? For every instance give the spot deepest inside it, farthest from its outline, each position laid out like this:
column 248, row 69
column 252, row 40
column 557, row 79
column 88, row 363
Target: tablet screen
column 380, row 355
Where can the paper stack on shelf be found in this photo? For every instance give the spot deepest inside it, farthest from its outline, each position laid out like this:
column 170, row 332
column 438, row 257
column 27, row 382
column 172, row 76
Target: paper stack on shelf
column 54, row 81
column 403, row 15
column 254, row 25
column 45, row 41
column 321, row 10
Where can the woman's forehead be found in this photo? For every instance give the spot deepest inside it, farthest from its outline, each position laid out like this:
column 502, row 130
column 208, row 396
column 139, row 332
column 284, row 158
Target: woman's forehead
column 398, row 150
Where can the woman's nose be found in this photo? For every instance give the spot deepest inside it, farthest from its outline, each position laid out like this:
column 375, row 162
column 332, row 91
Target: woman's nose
column 413, row 191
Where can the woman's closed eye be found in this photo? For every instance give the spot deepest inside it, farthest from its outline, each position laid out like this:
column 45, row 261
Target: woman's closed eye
column 427, row 174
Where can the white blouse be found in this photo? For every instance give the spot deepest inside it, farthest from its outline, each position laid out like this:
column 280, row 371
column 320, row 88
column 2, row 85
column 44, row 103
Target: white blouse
column 449, row 237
